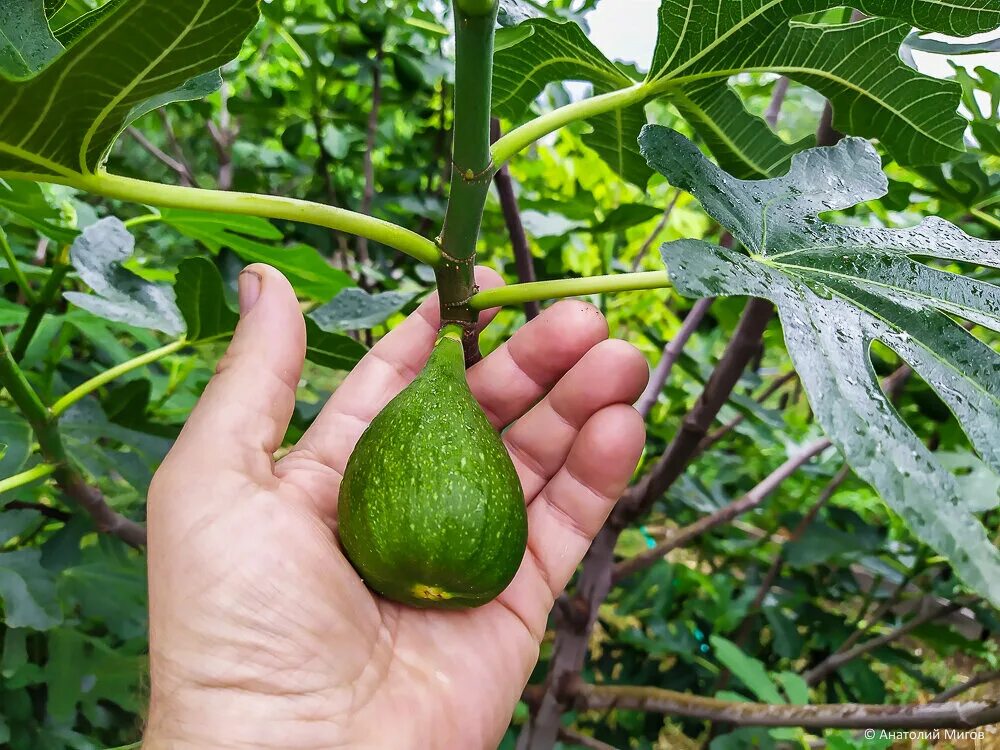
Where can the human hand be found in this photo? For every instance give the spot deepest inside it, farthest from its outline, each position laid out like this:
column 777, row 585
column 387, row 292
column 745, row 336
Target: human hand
column 261, row 633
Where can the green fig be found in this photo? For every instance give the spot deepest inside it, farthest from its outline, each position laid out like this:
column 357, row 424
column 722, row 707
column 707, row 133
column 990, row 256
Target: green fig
column 432, row 512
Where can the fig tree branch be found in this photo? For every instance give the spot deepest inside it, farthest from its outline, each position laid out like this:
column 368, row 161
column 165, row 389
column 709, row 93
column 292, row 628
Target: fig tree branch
column 168, row 130
column 684, row 447
column 660, row 226
column 979, row 679
column 579, row 614
column 45, row 427
column 717, row 434
column 515, row 229
column 835, row 661
column 745, row 504
column 176, row 166
column 777, row 100
column 671, row 353
column 223, row 136
column 955, row 715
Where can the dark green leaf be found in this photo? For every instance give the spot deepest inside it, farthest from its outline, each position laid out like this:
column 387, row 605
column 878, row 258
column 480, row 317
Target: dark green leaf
column 15, row 522
column 355, row 309
column 27, row 591
column 63, row 120
column 333, row 350
column 15, row 436
column 202, row 301
column 26, row 43
column 97, row 255
column 838, row 289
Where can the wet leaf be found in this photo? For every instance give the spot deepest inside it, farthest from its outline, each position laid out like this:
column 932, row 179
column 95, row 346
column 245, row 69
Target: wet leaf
column 837, row 290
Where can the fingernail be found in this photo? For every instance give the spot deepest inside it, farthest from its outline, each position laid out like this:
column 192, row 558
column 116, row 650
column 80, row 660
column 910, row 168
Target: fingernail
column 249, row 286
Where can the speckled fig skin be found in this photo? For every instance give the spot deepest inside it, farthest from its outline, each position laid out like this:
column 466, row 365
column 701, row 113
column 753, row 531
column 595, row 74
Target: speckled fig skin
column 431, row 511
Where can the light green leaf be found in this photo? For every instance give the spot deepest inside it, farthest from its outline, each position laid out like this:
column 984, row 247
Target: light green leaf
column 28, row 206
column 97, row 255
column 355, row 309
column 310, row 273
column 63, row 120
column 27, row 591
column 202, row 301
column 746, row 669
column 333, row 350
column 26, row 43
column 838, row 289
column 981, row 95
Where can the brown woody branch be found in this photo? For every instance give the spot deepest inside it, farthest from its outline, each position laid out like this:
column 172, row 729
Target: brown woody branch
column 223, row 137
column 955, row 715
column 835, row 661
column 577, row 616
column 175, row 145
column 512, row 218
column 777, row 100
column 671, row 353
column 717, row 434
column 724, row 515
column 660, row 226
column 684, row 447
column 175, row 165
column 980, row 679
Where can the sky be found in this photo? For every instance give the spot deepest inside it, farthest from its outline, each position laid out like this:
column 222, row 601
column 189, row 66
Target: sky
column 626, row 30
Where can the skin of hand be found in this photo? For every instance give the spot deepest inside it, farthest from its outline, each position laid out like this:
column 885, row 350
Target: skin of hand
column 261, row 633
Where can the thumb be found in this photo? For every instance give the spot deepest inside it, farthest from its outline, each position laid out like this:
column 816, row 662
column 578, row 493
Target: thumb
column 242, row 416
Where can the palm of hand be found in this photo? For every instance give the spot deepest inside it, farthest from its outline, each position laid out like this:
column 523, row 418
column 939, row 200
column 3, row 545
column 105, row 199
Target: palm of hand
column 263, row 635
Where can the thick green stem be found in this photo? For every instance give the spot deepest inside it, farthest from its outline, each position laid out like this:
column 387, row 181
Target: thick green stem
column 472, row 168
column 518, row 294
column 45, row 299
column 26, row 477
column 115, row 372
column 15, row 268
column 253, row 204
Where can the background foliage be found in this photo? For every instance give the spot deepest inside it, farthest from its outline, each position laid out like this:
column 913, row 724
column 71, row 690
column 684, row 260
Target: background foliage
column 348, row 103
